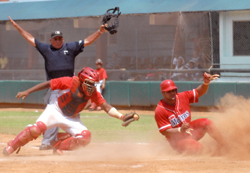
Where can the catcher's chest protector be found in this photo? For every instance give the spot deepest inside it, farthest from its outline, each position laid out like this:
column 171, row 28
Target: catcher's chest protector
column 73, row 101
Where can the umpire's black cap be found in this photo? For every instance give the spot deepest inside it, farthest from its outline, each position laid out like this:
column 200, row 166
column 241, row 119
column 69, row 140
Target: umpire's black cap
column 56, row 33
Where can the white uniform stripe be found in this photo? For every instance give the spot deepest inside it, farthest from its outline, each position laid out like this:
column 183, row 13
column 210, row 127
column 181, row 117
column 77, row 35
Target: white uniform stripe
column 194, row 95
column 177, row 100
column 166, row 108
column 164, row 126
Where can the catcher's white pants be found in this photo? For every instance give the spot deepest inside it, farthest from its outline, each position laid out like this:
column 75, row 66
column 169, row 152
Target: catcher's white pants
column 50, row 96
column 98, row 86
column 53, row 117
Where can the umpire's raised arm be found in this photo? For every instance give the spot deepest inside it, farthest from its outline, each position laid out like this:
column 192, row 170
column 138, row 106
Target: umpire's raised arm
column 202, row 89
column 24, row 33
column 90, row 39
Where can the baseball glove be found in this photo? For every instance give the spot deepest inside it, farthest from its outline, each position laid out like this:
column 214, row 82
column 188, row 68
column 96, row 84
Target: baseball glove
column 130, row 117
column 112, row 20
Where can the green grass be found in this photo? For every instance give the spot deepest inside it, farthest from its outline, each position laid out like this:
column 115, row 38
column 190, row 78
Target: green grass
column 12, row 122
column 105, row 128
column 102, row 127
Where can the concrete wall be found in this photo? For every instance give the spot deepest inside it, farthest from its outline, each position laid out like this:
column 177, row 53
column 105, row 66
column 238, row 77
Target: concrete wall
column 131, row 93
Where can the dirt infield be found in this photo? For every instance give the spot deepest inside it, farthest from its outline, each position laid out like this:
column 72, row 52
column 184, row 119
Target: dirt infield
column 115, row 157
column 121, row 157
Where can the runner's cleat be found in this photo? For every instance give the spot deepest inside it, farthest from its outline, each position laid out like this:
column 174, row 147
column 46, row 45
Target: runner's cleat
column 8, row 150
column 57, row 152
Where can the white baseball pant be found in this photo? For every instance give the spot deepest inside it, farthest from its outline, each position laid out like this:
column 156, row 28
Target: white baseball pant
column 53, row 117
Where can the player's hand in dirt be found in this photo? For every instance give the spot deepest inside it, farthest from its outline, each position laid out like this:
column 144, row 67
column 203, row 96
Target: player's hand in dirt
column 185, row 128
column 22, row 95
column 208, row 77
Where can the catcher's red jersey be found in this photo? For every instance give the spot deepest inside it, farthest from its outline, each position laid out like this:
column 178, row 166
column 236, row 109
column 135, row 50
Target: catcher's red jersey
column 167, row 116
column 74, row 100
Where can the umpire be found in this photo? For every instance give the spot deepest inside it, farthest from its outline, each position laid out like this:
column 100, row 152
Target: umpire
column 59, row 62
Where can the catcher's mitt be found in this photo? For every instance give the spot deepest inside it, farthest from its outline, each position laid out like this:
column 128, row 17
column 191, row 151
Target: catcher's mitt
column 112, row 19
column 130, row 117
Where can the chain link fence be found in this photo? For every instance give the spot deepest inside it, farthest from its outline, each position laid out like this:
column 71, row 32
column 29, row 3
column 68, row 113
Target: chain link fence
column 178, row 46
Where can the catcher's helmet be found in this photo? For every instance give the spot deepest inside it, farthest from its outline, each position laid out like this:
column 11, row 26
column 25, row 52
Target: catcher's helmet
column 88, row 77
column 167, row 85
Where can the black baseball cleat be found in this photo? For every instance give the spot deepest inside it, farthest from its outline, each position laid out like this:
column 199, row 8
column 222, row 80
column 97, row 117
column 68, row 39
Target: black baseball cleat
column 45, row 147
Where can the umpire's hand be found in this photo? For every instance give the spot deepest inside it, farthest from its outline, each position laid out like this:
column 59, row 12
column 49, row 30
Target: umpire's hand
column 13, row 22
column 102, row 28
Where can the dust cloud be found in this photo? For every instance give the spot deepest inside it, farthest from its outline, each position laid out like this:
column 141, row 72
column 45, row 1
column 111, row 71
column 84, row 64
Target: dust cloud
column 232, row 119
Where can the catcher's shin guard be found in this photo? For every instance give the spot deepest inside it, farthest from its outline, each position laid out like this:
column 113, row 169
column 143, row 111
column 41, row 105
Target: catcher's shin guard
column 27, row 135
column 72, row 143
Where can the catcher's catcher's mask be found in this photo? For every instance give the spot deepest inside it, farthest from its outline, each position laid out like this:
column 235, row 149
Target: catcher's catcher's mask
column 111, row 18
column 88, row 87
column 88, row 77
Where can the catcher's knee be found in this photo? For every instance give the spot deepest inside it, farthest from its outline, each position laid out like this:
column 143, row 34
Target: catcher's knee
column 37, row 129
column 32, row 132
column 72, row 143
column 84, row 138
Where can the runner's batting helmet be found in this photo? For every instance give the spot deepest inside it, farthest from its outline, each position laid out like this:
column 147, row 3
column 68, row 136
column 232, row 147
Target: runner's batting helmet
column 88, row 77
column 167, row 85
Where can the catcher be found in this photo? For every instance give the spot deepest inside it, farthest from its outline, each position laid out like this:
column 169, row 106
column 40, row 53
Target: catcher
column 72, row 98
column 173, row 117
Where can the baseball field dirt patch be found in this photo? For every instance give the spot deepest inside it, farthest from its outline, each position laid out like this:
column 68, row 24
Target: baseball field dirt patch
column 125, row 156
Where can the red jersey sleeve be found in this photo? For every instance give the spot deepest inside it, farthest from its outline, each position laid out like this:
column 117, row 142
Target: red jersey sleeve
column 162, row 119
column 61, row 83
column 101, row 73
column 192, row 96
column 97, row 98
column 104, row 75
